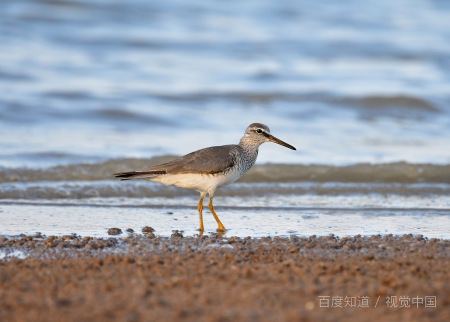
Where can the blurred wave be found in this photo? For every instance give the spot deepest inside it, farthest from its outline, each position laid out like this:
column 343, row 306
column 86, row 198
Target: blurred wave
column 348, row 82
column 401, row 172
column 144, row 189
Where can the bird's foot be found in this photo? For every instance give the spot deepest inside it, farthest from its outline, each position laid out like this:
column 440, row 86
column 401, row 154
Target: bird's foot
column 221, row 230
column 200, row 231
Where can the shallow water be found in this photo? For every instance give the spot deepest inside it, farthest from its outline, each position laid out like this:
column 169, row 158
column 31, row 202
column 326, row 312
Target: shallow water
column 246, row 209
column 90, row 88
column 95, row 221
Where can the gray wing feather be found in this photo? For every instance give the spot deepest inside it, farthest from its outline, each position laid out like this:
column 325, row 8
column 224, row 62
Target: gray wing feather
column 206, row 161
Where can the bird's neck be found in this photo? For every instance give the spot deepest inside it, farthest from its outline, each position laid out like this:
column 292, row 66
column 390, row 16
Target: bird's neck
column 250, row 147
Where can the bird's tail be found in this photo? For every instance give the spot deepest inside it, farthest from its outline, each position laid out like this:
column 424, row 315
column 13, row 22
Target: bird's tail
column 144, row 174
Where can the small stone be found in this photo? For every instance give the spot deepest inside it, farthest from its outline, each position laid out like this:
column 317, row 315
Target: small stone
column 92, row 246
column 129, row 230
column 147, row 229
column 65, row 245
column 51, row 244
column 79, row 244
column 114, row 231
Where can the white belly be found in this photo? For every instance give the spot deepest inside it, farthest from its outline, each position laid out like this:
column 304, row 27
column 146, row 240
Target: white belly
column 201, row 182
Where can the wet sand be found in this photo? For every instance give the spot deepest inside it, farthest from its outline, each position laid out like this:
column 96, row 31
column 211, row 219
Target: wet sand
column 210, row 278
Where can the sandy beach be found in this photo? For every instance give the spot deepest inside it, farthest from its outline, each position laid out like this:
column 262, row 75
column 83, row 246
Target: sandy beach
column 210, row 278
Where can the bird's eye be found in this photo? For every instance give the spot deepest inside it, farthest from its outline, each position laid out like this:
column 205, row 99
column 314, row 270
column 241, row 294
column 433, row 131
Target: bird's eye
column 259, row 130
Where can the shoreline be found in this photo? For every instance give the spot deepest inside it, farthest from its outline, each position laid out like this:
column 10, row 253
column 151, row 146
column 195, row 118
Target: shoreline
column 143, row 277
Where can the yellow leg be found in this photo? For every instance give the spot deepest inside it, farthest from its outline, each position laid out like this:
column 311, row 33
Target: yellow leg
column 200, row 210
column 210, row 206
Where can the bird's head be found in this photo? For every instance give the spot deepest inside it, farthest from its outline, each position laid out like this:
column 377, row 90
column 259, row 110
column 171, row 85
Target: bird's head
column 257, row 134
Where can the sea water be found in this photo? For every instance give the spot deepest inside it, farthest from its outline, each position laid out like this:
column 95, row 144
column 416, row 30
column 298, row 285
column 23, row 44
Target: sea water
column 361, row 89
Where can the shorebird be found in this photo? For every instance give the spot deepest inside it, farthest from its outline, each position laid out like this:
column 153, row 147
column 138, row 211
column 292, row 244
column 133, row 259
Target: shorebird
column 207, row 169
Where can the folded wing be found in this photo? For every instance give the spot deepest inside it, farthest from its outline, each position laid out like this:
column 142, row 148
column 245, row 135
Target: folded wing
column 211, row 160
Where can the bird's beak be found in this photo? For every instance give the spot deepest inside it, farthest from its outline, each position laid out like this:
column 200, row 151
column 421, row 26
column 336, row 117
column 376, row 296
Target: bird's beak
column 278, row 141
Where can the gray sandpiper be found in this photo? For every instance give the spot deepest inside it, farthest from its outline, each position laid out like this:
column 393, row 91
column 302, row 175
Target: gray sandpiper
column 207, row 169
